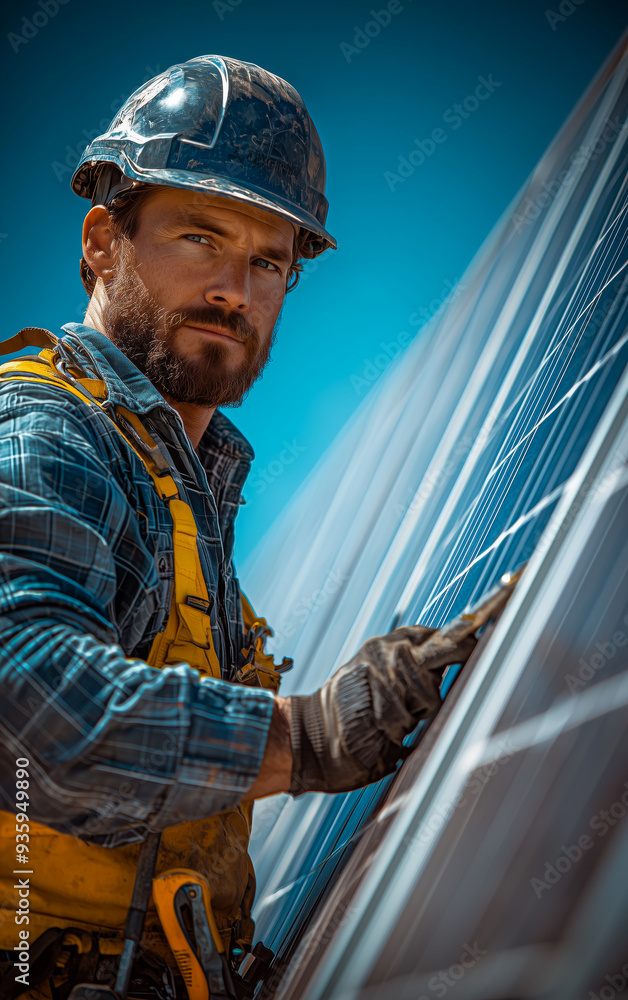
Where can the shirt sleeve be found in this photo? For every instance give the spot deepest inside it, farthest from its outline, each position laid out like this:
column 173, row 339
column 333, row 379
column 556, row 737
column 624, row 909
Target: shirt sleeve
column 115, row 746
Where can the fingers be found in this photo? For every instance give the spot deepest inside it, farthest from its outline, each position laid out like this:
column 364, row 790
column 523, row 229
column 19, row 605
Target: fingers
column 414, row 634
column 440, row 651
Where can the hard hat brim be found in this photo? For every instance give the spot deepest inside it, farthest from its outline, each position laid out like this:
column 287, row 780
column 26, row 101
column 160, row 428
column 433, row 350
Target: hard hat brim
column 208, row 183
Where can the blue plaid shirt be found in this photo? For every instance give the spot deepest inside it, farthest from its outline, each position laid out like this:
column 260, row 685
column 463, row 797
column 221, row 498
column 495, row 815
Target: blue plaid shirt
column 86, row 574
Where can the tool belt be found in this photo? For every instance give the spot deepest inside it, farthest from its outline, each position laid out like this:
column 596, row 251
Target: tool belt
column 216, row 846
column 62, row 958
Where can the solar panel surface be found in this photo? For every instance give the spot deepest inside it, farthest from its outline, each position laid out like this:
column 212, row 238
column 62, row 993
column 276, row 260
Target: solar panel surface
column 448, row 477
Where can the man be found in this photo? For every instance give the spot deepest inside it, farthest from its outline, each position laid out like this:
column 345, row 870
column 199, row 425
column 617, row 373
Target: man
column 136, row 692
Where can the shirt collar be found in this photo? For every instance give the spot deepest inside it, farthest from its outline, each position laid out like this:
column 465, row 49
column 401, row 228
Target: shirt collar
column 127, row 386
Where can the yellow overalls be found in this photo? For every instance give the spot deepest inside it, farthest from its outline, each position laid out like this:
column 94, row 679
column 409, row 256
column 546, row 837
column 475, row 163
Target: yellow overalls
column 83, row 885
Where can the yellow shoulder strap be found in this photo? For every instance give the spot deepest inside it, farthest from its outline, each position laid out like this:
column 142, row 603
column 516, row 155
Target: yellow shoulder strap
column 30, row 336
column 187, row 636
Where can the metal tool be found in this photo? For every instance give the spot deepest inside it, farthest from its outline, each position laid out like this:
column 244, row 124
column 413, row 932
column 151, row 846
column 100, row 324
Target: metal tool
column 489, row 606
column 183, row 901
column 133, row 928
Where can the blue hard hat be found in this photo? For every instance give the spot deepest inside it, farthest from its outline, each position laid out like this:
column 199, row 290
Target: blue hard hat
column 218, row 125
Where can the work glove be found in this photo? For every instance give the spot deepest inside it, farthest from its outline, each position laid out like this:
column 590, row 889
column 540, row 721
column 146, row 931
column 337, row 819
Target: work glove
column 350, row 732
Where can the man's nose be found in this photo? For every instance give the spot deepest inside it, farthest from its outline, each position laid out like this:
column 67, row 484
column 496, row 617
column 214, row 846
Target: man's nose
column 228, row 284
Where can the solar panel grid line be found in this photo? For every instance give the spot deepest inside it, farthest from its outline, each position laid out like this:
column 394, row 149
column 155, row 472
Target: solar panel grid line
column 490, row 498
column 609, row 491
column 545, row 462
column 514, row 426
column 545, row 502
column 498, row 463
column 616, row 310
column 351, row 638
column 449, row 786
column 346, row 492
column 413, row 796
column 557, row 341
column 384, row 810
column 278, row 875
column 601, row 366
column 617, row 146
column 554, row 310
column 497, row 343
column 496, row 871
column 607, row 696
column 463, row 312
column 311, row 884
column 534, row 770
column 550, row 352
column 455, row 494
column 589, row 942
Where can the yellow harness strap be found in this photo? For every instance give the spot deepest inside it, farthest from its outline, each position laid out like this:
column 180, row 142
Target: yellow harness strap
column 188, row 623
column 100, row 890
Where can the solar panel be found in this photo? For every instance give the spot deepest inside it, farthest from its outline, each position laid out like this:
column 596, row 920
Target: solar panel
column 495, row 436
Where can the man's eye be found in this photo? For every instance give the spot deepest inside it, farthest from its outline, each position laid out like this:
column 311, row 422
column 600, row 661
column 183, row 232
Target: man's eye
column 266, row 263
column 196, row 237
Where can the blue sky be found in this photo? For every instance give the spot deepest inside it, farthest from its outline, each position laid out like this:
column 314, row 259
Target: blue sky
column 377, row 97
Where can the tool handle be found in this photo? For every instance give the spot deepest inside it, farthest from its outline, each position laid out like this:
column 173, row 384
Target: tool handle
column 134, row 927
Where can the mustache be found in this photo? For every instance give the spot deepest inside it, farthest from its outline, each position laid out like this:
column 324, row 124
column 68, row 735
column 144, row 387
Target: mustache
column 212, row 316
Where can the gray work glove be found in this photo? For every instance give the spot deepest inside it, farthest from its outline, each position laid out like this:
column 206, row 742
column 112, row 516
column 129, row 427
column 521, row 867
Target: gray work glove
column 350, row 732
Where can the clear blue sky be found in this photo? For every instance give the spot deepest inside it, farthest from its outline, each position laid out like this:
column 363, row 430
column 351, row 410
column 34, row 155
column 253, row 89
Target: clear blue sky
column 375, row 96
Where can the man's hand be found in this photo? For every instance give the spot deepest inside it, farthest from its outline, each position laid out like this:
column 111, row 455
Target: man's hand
column 350, row 733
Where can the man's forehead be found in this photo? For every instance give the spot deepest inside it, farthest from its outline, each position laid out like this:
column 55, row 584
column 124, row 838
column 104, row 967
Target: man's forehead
column 177, row 204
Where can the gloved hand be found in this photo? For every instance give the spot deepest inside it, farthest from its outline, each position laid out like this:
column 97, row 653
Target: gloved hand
column 350, row 732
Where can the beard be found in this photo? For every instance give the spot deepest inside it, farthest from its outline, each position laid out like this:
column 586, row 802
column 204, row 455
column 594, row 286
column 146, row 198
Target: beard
column 145, row 332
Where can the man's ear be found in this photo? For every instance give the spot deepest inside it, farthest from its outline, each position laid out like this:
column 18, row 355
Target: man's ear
column 98, row 242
